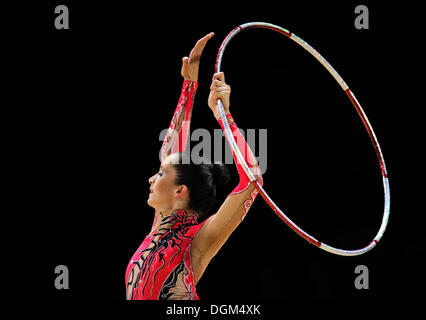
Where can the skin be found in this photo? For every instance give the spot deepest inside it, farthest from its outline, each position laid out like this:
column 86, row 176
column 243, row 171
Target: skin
column 191, row 64
column 167, row 197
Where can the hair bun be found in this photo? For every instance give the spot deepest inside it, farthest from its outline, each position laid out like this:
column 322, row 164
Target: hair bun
column 220, row 174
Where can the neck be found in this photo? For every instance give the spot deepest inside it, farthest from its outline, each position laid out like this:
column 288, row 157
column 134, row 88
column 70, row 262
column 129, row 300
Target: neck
column 160, row 215
column 169, row 212
column 177, row 205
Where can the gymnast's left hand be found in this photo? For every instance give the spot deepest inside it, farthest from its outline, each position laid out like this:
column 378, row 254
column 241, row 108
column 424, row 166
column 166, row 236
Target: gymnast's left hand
column 190, row 65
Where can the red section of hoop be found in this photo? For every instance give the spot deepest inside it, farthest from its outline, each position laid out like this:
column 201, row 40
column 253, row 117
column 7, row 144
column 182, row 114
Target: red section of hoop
column 225, row 41
column 369, row 130
column 290, row 224
column 286, row 33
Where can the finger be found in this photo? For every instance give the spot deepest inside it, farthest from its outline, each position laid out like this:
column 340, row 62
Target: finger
column 220, row 88
column 219, row 76
column 223, row 97
column 194, row 55
column 215, row 90
column 217, row 83
column 199, row 46
column 206, row 38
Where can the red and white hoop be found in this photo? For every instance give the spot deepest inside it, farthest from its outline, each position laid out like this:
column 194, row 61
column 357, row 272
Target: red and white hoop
column 234, row 147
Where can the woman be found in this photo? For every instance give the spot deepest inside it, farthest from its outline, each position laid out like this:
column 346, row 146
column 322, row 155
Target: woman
column 174, row 255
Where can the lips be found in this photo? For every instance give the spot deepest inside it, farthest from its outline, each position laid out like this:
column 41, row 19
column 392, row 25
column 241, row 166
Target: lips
column 150, row 190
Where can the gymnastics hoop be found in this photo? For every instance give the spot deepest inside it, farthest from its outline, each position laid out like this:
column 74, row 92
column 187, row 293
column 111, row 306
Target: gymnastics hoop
column 367, row 125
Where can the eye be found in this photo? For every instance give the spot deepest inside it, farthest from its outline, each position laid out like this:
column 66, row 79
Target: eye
column 160, row 173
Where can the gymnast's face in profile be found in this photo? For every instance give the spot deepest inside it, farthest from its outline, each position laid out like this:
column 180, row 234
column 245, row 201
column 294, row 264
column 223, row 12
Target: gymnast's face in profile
column 163, row 190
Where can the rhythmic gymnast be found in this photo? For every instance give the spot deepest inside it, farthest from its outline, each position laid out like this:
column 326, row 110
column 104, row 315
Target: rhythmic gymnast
column 174, row 255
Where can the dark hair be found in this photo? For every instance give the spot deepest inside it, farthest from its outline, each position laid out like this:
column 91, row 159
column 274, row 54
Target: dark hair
column 201, row 180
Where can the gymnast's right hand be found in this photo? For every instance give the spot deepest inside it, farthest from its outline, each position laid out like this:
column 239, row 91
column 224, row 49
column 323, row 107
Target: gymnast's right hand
column 219, row 90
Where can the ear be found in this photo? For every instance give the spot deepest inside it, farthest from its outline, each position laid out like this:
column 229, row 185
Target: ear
column 182, row 191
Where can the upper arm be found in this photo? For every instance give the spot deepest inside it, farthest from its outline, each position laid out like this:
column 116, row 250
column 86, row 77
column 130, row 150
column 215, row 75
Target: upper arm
column 217, row 228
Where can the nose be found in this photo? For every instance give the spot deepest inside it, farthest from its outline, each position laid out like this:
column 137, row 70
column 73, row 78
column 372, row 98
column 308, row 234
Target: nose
column 151, row 180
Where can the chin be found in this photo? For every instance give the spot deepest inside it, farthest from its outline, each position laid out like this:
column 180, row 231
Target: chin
column 149, row 202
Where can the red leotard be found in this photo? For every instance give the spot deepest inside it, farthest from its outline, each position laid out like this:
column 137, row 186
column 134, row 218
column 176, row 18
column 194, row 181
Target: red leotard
column 161, row 268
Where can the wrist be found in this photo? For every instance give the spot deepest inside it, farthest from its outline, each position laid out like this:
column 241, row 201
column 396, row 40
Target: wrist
column 189, row 86
column 217, row 114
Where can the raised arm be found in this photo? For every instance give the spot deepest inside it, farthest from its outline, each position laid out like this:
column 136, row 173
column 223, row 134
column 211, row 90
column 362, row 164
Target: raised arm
column 177, row 134
column 216, row 230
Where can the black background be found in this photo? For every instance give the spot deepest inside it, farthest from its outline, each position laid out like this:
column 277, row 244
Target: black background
column 93, row 99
